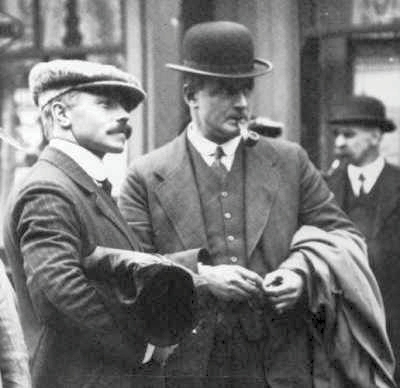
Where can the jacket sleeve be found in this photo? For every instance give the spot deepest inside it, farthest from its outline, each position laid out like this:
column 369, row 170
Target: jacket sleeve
column 134, row 205
column 13, row 352
column 48, row 231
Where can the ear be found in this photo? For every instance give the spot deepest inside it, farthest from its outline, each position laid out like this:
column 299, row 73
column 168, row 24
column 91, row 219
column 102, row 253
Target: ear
column 190, row 96
column 60, row 115
column 376, row 136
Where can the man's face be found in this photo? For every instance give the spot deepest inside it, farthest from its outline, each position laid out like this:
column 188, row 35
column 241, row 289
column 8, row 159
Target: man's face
column 220, row 105
column 99, row 122
column 356, row 144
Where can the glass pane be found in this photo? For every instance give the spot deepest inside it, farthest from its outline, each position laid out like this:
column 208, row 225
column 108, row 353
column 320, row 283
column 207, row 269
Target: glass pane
column 380, row 77
column 375, row 11
column 53, row 16
column 101, row 21
column 23, row 11
column 98, row 22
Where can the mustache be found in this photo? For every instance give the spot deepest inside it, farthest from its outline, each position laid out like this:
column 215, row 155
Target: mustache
column 240, row 117
column 126, row 129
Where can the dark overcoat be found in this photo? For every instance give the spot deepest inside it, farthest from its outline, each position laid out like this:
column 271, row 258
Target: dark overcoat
column 55, row 219
column 384, row 243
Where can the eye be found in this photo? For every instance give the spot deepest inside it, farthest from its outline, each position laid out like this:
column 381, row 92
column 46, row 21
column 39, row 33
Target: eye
column 345, row 132
column 106, row 102
column 348, row 134
column 247, row 91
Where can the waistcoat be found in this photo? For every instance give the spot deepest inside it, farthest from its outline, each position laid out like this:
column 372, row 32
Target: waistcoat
column 222, row 203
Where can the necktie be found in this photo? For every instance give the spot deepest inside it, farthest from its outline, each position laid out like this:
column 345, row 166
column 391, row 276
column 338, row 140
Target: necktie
column 362, row 192
column 106, row 186
column 217, row 164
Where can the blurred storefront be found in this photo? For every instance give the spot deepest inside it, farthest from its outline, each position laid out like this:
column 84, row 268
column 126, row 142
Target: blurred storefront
column 46, row 30
column 139, row 36
column 322, row 50
column 348, row 47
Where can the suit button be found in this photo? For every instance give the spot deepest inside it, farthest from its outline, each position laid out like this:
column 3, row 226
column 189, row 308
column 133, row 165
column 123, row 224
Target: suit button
column 224, row 194
column 230, row 238
column 227, row 216
column 234, row 259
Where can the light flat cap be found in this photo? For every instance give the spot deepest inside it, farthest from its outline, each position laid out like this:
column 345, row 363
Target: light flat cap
column 48, row 80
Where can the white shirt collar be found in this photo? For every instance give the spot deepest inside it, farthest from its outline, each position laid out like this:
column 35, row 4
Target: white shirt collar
column 370, row 171
column 90, row 163
column 206, row 147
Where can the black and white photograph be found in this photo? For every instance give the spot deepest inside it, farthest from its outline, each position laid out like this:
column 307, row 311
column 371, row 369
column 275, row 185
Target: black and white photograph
column 199, row 193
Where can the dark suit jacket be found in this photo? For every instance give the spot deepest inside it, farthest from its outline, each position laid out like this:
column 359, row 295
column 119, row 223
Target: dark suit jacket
column 55, row 219
column 283, row 191
column 384, row 245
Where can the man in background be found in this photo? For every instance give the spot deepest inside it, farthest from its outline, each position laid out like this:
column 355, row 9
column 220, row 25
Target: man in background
column 367, row 188
column 246, row 198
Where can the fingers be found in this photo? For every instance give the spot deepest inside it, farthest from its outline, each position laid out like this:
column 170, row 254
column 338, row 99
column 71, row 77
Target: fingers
column 283, row 289
column 248, row 281
column 251, row 276
column 249, row 287
column 231, row 282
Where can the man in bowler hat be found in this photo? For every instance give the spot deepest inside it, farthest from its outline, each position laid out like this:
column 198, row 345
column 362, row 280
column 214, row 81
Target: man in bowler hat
column 246, row 198
column 77, row 267
column 367, row 187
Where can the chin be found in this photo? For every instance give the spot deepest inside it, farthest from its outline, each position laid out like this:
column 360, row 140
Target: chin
column 117, row 147
column 231, row 132
column 115, row 150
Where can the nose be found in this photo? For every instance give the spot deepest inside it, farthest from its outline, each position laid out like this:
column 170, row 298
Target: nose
column 241, row 100
column 122, row 115
column 340, row 141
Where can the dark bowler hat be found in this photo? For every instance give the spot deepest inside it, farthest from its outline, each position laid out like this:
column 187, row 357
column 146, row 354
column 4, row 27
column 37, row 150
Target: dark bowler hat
column 220, row 49
column 364, row 110
column 49, row 80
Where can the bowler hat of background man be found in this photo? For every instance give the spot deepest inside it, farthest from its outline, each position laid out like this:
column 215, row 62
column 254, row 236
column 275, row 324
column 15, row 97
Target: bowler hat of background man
column 49, row 80
column 220, row 49
column 362, row 110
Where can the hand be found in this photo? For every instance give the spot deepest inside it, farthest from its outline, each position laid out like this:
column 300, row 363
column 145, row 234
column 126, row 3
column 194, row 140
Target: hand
column 231, row 282
column 283, row 289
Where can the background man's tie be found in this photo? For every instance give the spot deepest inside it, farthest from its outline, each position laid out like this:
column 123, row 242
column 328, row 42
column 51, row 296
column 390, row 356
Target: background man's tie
column 362, row 192
column 217, row 164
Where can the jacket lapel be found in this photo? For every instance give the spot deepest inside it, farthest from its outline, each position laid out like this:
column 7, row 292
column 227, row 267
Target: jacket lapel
column 101, row 201
column 389, row 196
column 261, row 187
column 179, row 197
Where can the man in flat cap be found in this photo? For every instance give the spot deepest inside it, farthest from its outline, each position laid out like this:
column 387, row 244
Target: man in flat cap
column 367, row 188
column 278, row 241
column 100, row 303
